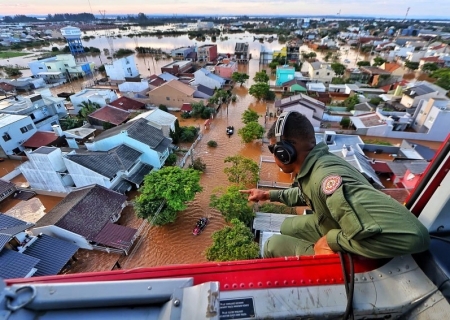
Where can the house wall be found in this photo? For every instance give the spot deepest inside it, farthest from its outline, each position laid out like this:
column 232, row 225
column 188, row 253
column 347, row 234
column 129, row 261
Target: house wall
column 169, row 97
column 283, row 75
column 121, row 68
column 226, row 71
column 42, row 172
column 133, row 86
column 13, row 130
column 102, row 97
column 203, row 79
column 323, row 74
column 37, row 67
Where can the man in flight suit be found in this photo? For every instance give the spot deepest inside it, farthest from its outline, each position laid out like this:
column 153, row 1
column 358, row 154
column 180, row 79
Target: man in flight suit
column 348, row 213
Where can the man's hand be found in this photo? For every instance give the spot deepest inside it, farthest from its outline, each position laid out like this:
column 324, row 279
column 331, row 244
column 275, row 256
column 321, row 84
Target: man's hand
column 321, row 247
column 256, row 194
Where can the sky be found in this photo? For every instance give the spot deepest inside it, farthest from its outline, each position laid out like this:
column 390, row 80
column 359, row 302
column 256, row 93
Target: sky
column 373, row 8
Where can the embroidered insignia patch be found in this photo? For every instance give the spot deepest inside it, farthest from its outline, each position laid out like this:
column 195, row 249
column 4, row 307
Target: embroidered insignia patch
column 330, row 184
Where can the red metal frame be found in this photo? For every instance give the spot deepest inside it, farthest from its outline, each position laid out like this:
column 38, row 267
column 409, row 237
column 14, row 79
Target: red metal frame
column 234, row 275
column 418, row 206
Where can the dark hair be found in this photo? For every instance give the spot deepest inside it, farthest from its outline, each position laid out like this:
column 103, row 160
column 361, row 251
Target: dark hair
column 297, row 127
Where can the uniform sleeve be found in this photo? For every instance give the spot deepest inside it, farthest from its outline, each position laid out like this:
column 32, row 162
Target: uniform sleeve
column 290, row 197
column 356, row 223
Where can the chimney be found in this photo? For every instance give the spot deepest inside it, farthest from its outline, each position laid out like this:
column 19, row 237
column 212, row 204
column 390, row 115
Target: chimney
column 58, row 130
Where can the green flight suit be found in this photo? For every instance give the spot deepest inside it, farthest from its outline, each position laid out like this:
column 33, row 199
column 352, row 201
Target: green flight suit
column 354, row 216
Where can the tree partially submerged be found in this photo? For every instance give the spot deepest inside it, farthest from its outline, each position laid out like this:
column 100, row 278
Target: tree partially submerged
column 233, row 242
column 243, row 171
column 249, row 116
column 232, row 204
column 165, row 193
column 251, row 131
column 239, row 77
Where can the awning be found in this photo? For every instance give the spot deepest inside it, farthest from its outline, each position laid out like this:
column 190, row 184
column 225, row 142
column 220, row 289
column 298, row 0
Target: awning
column 55, row 73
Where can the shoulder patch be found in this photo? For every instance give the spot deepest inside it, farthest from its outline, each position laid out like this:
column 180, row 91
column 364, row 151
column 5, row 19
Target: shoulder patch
column 330, row 184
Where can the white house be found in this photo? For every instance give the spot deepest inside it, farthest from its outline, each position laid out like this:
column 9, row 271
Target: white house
column 44, row 109
column 122, row 68
column 432, row 117
column 208, row 79
column 100, row 96
column 46, row 170
column 139, row 135
column 14, row 130
column 159, row 119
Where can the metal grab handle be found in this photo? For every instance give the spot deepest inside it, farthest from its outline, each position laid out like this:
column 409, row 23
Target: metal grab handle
column 16, row 295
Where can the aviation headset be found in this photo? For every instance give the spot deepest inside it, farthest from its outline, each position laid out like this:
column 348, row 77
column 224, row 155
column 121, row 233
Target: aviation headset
column 283, row 150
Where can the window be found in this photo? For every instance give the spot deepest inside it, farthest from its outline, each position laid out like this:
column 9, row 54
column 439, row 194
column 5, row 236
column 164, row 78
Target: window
column 30, row 127
column 328, row 73
column 6, row 137
column 431, row 119
column 66, row 65
column 32, row 116
column 40, row 68
column 129, row 70
column 317, row 73
column 168, row 98
column 24, row 129
column 49, row 67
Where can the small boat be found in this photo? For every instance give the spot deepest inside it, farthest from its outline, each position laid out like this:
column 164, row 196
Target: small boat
column 200, row 226
column 230, row 130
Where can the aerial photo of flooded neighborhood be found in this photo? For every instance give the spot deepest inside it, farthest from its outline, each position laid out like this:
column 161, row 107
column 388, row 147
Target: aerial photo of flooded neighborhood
column 127, row 135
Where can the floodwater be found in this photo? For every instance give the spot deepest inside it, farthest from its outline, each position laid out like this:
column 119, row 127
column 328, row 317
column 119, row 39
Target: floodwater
column 174, row 243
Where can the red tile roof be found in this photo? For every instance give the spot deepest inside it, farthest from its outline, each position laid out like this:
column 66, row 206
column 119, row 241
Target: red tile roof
column 116, row 236
column 110, row 114
column 6, row 87
column 431, row 59
column 40, row 138
column 381, row 167
column 391, row 66
column 126, row 103
column 186, row 107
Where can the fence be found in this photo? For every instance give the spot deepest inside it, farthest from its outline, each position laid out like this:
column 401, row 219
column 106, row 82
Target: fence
column 189, row 153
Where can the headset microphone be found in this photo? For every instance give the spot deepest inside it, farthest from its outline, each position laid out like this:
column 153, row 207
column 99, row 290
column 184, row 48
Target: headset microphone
column 283, row 150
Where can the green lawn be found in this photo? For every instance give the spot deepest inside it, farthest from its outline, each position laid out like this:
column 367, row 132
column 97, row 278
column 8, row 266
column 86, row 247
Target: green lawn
column 11, row 54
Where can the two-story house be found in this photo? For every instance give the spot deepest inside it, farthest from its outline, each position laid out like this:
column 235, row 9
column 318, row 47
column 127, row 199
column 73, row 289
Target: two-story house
column 312, row 109
column 121, row 69
column 226, row 68
column 159, row 119
column 44, row 109
column 100, row 96
column 284, row 74
column 177, row 68
column 181, row 53
column 320, row 71
column 46, row 170
column 58, row 68
column 413, row 95
column 208, row 79
column 241, row 52
column 207, row 53
column 173, row 94
column 139, row 135
column 14, row 130
column 432, row 117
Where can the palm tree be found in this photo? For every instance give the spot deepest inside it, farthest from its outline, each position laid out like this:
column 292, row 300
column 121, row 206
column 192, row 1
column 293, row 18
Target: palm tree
column 87, row 108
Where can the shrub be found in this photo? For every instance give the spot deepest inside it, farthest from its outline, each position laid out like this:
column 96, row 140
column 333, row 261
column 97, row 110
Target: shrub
column 212, row 143
column 171, row 159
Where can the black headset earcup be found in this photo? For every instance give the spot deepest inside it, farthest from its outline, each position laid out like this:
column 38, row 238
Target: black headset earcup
column 285, row 152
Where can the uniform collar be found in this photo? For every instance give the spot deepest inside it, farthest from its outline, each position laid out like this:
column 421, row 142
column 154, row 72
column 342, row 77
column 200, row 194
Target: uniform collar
column 319, row 150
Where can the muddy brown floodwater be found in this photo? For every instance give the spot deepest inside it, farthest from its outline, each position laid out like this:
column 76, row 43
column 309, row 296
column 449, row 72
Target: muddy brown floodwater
column 175, row 243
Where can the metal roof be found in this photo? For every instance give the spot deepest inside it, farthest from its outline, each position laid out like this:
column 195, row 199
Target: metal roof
column 15, row 265
column 53, row 254
column 269, row 221
column 4, row 239
column 116, row 236
column 138, row 176
column 122, row 186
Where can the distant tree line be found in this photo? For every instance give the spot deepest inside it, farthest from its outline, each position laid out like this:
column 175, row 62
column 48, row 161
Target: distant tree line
column 55, row 17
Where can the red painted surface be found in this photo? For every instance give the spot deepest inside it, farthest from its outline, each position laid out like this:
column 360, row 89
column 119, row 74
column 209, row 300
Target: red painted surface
column 418, row 206
column 235, row 275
